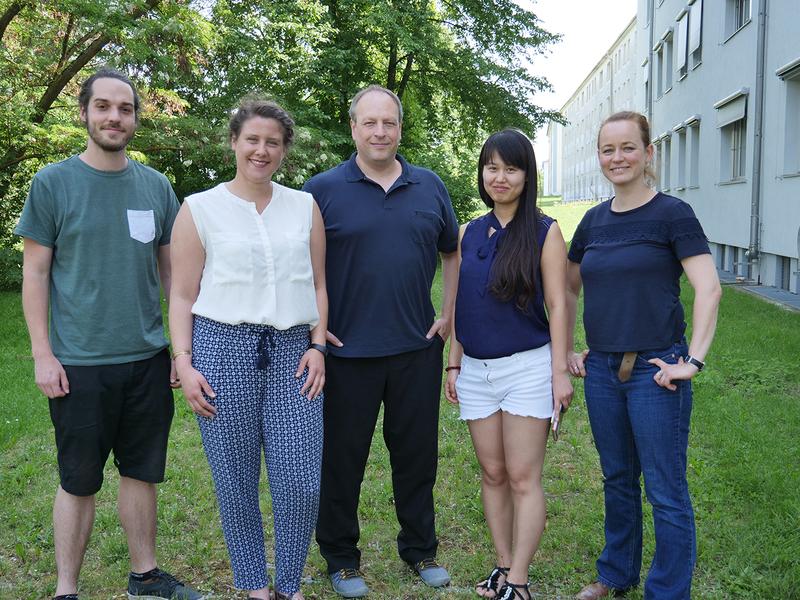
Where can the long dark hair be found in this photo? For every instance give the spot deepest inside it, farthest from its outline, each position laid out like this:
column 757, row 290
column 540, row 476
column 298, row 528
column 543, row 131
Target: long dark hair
column 514, row 274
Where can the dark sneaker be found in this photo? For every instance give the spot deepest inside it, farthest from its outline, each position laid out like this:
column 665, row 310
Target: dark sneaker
column 157, row 585
column 431, row 572
column 349, row 583
column 66, row 597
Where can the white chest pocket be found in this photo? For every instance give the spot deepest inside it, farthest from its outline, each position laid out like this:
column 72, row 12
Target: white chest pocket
column 142, row 225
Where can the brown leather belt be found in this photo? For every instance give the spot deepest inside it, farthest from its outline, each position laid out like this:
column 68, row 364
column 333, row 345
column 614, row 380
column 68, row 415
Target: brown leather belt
column 626, row 366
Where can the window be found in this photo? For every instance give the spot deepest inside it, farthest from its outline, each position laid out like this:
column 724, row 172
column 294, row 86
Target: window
column 657, row 164
column 791, row 145
column 733, row 148
column 693, row 143
column 695, row 48
column 681, row 44
column 732, row 122
column 658, row 71
column 740, row 264
column 737, row 15
column 784, row 274
column 680, row 179
column 667, row 58
column 666, row 163
column 646, row 76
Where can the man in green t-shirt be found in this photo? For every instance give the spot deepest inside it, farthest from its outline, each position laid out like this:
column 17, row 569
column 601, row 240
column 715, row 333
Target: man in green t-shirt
column 96, row 231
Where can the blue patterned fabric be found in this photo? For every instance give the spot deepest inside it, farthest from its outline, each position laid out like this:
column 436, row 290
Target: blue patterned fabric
column 259, row 406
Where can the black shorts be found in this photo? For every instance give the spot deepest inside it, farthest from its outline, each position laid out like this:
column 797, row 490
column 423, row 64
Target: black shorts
column 126, row 408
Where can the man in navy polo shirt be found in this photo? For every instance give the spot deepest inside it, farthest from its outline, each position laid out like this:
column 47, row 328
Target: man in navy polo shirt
column 385, row 222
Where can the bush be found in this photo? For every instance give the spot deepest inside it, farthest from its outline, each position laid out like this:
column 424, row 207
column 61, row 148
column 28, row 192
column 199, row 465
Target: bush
column 10, row 270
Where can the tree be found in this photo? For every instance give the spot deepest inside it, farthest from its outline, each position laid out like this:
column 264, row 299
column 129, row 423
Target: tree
column 458, row 65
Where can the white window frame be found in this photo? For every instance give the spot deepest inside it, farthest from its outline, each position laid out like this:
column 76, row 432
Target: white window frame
column 732, row 123
column 695, row 41
column 790, row 74
column 682, row 44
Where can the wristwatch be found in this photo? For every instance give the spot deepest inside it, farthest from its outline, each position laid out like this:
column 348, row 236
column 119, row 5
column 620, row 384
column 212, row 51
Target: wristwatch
column 324, row 349
column 693, row 361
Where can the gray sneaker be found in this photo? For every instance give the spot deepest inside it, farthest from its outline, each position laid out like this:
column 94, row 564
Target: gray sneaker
column 157, row 585
column 431, row 572
column 349, row 583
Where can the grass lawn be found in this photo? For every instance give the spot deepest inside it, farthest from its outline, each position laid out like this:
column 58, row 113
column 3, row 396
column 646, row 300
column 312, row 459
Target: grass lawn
column 743, row 472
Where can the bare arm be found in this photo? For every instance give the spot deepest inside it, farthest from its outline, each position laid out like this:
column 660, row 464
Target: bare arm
column 314, row 360
column 575, row 360
column 554, row 284
column 450, row 264
column 188, row 256
column 456, row 349
column 165, row 269
column 703, row 277
column 49, row 374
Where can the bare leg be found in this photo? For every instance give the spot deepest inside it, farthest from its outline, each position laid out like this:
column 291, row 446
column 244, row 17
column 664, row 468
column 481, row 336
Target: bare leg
column 525, row 440
column 487, row 438
column 136, row 505
column 73, row 517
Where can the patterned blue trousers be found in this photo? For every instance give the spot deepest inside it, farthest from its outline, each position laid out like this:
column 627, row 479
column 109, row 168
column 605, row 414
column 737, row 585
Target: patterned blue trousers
column 251, row 368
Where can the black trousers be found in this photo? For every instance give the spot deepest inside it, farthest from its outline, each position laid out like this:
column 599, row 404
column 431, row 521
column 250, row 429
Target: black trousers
column 408, row 385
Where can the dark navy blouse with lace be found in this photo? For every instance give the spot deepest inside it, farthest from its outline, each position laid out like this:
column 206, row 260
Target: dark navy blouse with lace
column 630, row 267
column 486, row 326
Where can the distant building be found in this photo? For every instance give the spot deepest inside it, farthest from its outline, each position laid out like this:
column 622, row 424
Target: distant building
column 722, row 90
column 610, row 86
column 720, row 82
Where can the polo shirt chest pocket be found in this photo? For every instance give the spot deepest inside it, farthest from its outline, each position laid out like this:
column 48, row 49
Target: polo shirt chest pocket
column 232, row 259
column 142, row 225
column 426, row 227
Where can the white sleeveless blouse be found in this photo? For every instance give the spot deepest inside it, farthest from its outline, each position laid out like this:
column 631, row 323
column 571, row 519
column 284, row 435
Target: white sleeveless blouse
column 258, row 266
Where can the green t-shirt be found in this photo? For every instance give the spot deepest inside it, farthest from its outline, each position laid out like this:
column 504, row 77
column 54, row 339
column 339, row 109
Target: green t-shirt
column 105, row 229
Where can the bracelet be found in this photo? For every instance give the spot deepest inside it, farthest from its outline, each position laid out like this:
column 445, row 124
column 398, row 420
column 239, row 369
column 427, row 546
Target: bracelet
column 452, row 368
column 319, row 348
column 181, row 353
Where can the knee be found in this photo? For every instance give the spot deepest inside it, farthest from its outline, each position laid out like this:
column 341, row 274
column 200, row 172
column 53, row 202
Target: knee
column 494, row 475
column 524, row 483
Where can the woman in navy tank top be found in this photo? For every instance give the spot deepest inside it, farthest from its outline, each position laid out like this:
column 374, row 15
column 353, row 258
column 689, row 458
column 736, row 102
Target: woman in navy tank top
column 507, row 367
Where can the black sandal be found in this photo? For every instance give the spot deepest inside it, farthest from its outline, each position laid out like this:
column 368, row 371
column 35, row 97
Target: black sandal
column 491, row 583
column 511, row 591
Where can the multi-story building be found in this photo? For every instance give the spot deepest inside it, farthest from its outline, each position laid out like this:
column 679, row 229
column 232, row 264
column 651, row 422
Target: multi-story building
column 722, row 90
column 611, row 86
column 720, row 82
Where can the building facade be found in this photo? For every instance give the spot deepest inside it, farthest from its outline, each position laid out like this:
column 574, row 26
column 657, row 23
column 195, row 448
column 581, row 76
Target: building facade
column 721, row 85
column 611, row 86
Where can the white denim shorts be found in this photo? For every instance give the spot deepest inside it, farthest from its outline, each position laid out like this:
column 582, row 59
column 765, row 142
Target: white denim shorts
column 520, row 384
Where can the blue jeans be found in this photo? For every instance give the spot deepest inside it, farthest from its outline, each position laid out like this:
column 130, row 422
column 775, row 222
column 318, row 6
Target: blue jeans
column 641, row 428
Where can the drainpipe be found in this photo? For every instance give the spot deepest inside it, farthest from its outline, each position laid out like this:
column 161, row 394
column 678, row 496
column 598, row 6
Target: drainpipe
column 754, row 251
column 651, row 10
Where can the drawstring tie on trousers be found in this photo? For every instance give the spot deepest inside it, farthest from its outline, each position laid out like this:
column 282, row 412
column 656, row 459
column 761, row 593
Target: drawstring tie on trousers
column 266, row 343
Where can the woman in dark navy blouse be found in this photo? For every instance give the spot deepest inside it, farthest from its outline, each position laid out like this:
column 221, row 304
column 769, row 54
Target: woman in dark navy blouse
column 507, row 367
column 628, row 253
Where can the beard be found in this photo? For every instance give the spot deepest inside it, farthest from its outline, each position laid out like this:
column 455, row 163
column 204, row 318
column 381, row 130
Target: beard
column 98, row 137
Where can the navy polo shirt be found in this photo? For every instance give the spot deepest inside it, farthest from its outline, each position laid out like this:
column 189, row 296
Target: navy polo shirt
column 631, row 269
column 486, row 326
column 381, row 256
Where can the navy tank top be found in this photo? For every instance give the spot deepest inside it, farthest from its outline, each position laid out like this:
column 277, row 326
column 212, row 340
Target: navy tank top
column 485, row 326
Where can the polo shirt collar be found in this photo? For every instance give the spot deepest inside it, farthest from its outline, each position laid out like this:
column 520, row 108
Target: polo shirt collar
column 354, row 173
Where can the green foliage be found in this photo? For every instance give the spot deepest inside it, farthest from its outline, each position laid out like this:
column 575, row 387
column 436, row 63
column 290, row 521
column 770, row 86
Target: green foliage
column 458, row 66
column 10, row 270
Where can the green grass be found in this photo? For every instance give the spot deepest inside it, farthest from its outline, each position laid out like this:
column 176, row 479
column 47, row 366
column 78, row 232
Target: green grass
column 743, row 473
column 568, row 214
